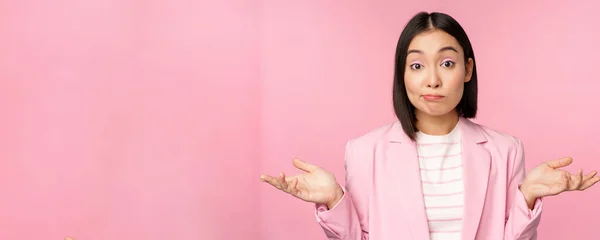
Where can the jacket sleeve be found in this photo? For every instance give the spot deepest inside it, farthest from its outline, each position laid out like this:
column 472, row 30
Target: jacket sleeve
column 348, row 219
column 521, row 222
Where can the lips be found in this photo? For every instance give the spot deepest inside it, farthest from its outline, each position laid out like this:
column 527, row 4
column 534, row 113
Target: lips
column 433, row 97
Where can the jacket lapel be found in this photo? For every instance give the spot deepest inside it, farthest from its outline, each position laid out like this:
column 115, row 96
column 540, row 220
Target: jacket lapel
column 402, row 174
column 476, row 170
column 403, row 194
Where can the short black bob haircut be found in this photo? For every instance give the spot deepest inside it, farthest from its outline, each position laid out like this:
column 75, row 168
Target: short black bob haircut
column 421, row 22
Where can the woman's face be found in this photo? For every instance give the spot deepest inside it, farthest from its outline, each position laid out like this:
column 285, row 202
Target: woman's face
column 435, row 73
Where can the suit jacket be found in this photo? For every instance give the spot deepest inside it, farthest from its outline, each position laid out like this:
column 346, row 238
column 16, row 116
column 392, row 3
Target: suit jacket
column 383, row 196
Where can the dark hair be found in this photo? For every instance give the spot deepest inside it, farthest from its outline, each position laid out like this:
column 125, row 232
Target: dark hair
column 405, row 111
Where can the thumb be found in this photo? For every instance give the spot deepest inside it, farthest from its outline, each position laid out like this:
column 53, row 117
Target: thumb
column 561, row 162
column 302, row 165
column 69, row 238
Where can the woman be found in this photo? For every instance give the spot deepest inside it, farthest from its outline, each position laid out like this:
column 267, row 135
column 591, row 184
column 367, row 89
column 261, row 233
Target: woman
column 433, row 174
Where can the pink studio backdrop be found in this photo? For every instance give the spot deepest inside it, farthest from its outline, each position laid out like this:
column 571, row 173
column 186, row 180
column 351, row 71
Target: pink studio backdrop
column 129, row 120
column 152, row 119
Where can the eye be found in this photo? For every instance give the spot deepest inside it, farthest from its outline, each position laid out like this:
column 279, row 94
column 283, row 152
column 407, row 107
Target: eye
column 448, row 64
column 416, row 66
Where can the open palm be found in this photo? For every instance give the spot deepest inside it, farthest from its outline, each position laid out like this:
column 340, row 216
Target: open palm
column 315, row 184
column 547, row 179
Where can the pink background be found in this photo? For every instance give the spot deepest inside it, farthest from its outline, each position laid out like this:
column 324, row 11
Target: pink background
column 153, row 119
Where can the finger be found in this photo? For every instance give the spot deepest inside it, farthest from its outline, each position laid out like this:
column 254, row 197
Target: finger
column 561, row 162
column 294, row 187
column 69, row 238
column 284, row 184
column 573, row 181
column 271, row 180
column 265, row 178
column 576, row 180
column 302, row 165
column 587, row 184
column 589, row 176
column 295, row 184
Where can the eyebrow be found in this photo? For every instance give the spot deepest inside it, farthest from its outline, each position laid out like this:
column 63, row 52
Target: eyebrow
column 448, row 48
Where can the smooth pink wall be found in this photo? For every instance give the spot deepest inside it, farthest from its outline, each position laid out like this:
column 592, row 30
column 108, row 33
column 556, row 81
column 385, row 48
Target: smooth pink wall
column 152, row 119
column 326, row 77
column 129, row 119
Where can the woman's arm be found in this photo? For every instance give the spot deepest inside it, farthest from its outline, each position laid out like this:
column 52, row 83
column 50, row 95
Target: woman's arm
column 546, row 179
column 348, row 218
column 521, row 219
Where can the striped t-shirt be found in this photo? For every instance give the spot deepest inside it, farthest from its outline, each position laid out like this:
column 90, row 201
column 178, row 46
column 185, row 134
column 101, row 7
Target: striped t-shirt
column 440, row 161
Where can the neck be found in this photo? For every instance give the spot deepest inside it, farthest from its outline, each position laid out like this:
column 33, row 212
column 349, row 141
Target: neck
column 437, row 125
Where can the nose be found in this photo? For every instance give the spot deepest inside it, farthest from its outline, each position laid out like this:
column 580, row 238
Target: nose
column 434, row 81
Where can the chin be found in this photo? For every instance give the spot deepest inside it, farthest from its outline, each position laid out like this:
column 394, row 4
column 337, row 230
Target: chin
column 436, row 112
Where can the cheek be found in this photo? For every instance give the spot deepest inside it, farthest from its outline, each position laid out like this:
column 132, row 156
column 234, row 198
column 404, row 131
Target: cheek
column 454, row 81
column 412, row 83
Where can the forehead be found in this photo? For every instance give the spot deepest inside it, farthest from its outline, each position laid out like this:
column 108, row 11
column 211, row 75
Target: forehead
column 431, row 41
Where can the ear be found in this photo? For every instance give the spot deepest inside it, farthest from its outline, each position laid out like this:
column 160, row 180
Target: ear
column 469, row 69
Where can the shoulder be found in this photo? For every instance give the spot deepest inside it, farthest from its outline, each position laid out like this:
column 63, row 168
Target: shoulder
column 502, row 146
column 372, row 137
column 361, row 149
column 499, row 139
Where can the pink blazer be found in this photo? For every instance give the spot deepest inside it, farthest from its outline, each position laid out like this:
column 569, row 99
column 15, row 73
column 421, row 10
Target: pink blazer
column 384, row 201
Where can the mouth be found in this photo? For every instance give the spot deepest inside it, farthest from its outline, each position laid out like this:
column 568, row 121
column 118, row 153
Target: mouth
column 433, row 97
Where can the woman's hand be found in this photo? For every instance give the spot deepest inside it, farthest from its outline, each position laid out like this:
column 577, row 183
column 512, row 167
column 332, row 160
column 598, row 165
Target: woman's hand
column 547, row 179
column 314, row 185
